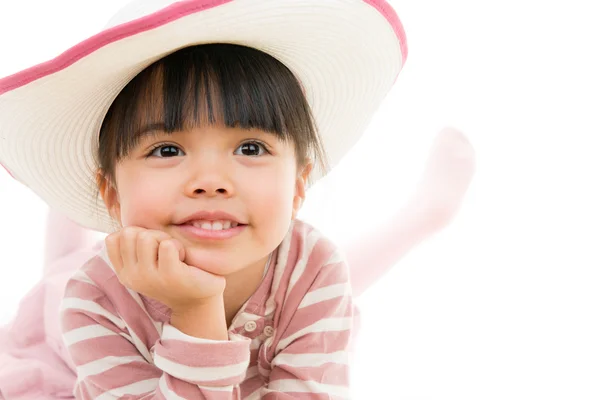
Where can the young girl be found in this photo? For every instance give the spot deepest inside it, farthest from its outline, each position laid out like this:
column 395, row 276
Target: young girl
column 35, row 362
column 208, row 287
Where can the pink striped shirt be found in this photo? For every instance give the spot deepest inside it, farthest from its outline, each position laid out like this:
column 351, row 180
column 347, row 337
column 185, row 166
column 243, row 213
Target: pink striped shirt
column 290, row 340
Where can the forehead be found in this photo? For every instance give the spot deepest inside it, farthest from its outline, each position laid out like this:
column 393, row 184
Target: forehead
column 157, row 130
column 191, row 90
column 180, row 100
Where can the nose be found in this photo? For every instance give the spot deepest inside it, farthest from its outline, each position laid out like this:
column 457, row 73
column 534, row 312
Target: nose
column 209, row 178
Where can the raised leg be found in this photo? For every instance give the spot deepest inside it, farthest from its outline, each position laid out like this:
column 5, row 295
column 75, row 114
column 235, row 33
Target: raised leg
column 448, row 173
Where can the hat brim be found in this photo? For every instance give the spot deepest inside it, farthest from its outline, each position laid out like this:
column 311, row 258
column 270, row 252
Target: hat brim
column 347, row 55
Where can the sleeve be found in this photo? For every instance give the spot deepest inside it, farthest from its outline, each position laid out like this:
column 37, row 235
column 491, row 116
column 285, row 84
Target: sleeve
column 113, row 363
column 313, row 354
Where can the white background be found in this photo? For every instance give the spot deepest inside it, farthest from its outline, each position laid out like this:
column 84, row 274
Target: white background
column 502, row 304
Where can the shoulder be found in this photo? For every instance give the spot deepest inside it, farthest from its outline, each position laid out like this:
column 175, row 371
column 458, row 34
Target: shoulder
column 96, row 281
column 93, row 277
column 316, row 253
column 317, row 296
column 88, row 302
column 95, row 290
column 308, row 262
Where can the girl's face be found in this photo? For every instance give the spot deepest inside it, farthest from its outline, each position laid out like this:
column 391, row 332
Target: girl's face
column 251, row 175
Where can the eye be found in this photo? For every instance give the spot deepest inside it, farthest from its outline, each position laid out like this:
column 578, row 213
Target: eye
column 164, row 151
column 252, row 149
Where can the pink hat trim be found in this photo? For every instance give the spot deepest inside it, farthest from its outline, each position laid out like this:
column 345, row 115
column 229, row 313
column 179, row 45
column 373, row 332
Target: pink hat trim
column 116, row 33
column 173, row 12
column 388, row 12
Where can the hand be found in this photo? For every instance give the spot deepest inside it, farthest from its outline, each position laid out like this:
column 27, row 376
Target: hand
column 150, row 262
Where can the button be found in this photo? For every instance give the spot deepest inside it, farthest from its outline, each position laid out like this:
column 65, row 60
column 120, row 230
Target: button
column 268, row 331
column 250, row 326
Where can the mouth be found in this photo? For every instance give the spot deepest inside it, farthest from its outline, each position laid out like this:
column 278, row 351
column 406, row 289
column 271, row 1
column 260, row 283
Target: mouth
column 211, row 230
column 218, row 225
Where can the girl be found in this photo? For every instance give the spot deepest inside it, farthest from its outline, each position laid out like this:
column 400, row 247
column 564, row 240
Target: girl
column 35, row 362
column 37, row 365
column 208, row 287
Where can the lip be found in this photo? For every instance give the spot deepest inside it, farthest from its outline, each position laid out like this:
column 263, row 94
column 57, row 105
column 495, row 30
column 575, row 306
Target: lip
column 208, row 234
column 211, row 216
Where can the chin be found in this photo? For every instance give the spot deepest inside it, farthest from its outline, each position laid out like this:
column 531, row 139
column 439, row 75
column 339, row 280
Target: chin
column 215, row 261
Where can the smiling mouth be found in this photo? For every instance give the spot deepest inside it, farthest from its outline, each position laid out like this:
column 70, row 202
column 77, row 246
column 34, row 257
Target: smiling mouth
column 218, row 225
column 211, row 230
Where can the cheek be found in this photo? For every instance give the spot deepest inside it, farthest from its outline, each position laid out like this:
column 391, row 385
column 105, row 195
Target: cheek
column 273, row 203
column 142, row 204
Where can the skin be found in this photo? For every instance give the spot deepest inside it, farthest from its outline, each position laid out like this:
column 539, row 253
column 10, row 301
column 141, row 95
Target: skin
column 209, row 168
column 437, row 199
column 448, row 172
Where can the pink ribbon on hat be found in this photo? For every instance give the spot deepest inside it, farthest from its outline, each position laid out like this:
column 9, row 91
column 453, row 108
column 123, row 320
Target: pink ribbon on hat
column 151, row 21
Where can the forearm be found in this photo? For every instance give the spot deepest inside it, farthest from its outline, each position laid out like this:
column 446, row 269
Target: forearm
column 206, row 321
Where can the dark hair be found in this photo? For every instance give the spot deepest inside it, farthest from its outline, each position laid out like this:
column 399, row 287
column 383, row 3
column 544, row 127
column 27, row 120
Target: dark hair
column 234, row 85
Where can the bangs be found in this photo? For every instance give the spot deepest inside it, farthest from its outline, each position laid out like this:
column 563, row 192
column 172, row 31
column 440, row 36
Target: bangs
column 216, row 84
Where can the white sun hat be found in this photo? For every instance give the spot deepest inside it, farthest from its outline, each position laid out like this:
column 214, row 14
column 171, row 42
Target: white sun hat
column 347, row 55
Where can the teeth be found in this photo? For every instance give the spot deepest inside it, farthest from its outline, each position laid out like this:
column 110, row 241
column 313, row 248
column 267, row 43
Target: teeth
column 214, row 225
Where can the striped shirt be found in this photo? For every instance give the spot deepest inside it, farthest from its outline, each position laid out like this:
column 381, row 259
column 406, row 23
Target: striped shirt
column 290, row 340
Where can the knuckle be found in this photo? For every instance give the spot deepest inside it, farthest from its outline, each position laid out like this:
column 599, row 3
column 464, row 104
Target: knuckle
column 131, row 231
column 128, row 233
column 159, row 236
column 111, row 239
column 163, row 235
column 149, row 235
column 144, row 236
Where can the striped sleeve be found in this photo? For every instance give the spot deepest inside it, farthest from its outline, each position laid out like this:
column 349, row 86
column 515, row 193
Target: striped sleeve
column 113, row 363
column 312, row 355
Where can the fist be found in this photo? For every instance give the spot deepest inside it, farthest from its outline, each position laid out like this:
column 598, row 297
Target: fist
column 152, row 263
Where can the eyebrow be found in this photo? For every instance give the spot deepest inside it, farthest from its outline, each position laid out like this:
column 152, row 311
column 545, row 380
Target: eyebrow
column 150, row 130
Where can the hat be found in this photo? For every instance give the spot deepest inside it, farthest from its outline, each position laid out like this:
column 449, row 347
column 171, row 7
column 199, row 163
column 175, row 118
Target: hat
column 347, row 55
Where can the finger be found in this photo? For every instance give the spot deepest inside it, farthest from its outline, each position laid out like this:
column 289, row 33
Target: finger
column 129, row 246
column 113, row 248
column 168, row 258
column 180, row 250
column 160, row 236
column 147, row 249
column 178, row 246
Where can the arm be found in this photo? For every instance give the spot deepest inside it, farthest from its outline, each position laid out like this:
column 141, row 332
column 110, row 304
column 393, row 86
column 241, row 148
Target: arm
column 112, row 363
column 312, row 354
